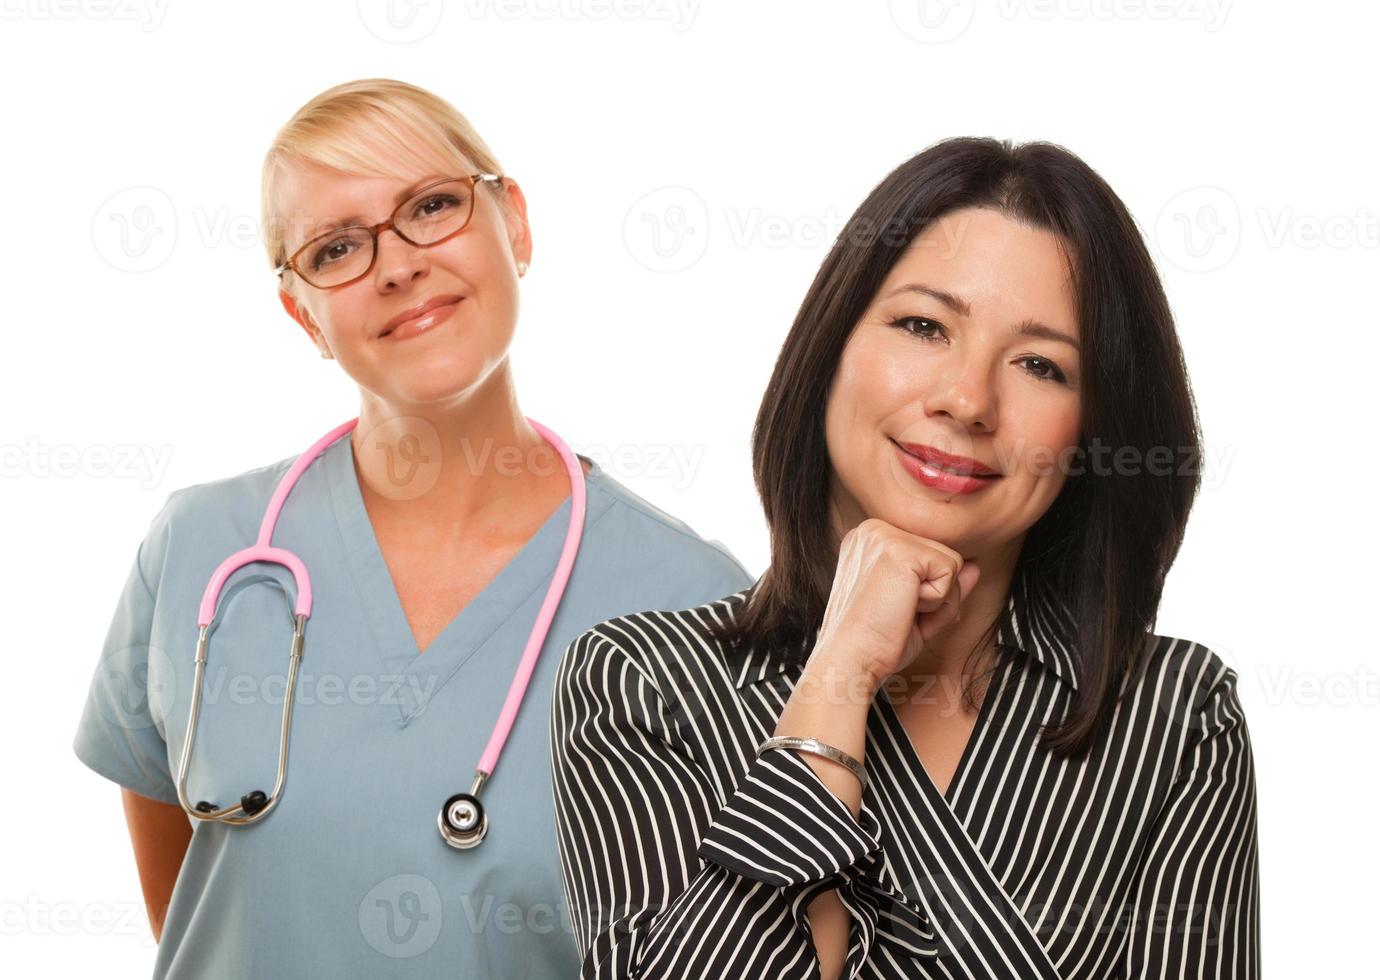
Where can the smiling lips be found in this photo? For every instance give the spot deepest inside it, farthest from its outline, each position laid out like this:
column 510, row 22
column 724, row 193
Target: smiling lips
column 938, row 469
column 420, row 318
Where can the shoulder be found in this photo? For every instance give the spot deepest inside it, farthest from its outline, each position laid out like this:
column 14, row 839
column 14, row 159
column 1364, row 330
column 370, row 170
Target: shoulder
column 664, row 536
column 1176, row 660
column 246, row 488
column 189, row 512
column 663, row 643
column 1191, row 686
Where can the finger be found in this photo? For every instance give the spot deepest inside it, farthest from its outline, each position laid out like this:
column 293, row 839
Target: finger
column 963, row 584
column 967, row 578
column 930, row 623
column 950, row 609
column 939, row 575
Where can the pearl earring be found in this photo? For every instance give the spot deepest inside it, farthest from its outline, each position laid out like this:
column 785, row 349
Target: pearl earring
column 522, row 268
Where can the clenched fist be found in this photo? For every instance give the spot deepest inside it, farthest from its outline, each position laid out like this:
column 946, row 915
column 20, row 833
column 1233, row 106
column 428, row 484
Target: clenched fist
column 892, row 591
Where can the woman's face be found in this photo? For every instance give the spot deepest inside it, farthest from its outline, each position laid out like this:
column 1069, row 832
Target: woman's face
column 939, row 359
column 477, row 267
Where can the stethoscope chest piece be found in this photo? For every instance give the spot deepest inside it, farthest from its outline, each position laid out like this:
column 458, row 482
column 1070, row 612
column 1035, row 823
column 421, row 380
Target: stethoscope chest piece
column 462, row 820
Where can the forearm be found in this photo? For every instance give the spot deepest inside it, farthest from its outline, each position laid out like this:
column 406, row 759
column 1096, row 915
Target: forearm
column 160, row 834
column 830, row 702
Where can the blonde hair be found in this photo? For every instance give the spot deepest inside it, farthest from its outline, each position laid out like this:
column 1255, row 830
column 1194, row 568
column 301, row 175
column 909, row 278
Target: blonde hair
column 373, row 127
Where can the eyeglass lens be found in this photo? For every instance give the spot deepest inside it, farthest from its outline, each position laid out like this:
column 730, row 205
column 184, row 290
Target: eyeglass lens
column 433, row 214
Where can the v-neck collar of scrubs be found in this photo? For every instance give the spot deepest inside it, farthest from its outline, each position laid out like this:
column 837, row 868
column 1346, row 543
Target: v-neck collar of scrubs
column 423, row 675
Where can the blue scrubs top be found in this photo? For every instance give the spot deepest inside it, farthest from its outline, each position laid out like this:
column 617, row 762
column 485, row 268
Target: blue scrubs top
column 349, row 876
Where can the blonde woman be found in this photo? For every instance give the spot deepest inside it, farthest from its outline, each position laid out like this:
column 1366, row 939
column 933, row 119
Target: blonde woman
column 437, row 532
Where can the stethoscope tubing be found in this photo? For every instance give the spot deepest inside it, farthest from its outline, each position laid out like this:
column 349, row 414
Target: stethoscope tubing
column 462, row 820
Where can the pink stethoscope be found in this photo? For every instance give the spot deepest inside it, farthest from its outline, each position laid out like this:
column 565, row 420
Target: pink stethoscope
column 462, row 820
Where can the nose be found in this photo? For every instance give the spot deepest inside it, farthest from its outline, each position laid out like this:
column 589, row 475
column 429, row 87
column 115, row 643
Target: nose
column 964, row 393
column 398, row 261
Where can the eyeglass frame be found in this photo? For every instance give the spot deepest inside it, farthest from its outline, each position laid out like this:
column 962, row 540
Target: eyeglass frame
column 375, row 230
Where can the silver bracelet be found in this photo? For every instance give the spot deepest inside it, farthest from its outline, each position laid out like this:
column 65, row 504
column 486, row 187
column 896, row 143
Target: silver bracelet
column 815, row 747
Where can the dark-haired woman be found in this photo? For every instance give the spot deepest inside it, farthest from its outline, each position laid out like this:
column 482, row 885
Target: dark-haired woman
column 938, row 737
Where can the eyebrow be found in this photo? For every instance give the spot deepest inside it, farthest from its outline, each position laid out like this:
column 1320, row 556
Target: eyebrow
column 1027, row 328
column 356, row 219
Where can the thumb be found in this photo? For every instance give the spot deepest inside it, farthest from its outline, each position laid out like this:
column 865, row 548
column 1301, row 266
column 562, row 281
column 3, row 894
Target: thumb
column 967, row 578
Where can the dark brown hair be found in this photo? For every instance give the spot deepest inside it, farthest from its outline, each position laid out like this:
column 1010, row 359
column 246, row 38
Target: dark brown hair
column 1105, row 544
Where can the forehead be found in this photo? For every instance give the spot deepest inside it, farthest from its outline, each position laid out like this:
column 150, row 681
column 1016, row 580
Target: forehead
column 314, row 199
column 996, row 264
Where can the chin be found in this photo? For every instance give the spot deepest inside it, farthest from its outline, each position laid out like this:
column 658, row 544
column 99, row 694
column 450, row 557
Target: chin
column 937, row 522
column 437, row 380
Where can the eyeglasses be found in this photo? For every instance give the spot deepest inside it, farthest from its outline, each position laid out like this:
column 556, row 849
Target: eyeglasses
column 437, row 212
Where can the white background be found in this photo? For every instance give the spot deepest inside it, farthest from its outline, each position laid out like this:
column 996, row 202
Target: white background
column 1241, row 135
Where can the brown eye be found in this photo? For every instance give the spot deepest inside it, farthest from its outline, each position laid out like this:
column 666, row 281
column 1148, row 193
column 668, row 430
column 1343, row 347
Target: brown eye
column 922, row 325
column 333, row 252
column 436, row 204
column 1052, row 372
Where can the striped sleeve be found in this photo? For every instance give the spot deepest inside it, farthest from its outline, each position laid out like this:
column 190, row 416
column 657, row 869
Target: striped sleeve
column 783, row 826
column 663, row 881
column 1197, row 900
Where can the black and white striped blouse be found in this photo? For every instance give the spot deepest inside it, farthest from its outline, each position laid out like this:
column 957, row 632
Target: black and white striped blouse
column 685, row 856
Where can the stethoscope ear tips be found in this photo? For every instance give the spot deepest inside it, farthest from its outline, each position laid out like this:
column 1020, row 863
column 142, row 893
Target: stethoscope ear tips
column 251, row 803
column 462, row 821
